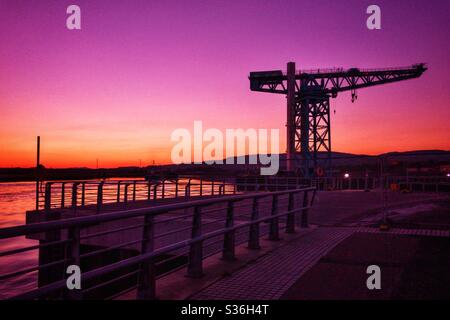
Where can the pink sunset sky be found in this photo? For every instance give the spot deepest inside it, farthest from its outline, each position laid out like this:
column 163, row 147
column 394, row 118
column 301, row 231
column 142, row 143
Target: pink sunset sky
column 137, row 70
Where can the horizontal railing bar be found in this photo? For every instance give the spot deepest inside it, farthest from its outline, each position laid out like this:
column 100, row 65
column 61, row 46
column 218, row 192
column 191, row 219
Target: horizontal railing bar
column 106, row 217
column 150, row 255
column 110, row 281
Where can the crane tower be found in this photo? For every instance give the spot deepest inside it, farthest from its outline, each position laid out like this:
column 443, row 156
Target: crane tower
column 308, row 92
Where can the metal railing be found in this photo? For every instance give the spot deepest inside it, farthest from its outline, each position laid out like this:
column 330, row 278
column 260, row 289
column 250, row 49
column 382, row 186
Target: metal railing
column 73, row 194
column 95, row 194
column 205, row 227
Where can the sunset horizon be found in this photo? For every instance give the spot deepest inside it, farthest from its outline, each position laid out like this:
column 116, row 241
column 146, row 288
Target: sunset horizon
column 111, row 95
column 217, row 159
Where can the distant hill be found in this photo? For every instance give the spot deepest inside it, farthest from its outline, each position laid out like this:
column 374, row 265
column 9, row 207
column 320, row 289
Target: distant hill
column 409, row 157
column 397, row 163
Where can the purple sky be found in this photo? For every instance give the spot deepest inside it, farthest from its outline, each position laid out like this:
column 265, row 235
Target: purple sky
column 139, row 69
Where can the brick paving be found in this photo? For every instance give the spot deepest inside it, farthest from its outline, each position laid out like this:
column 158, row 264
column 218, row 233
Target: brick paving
column 270, row 276
column 413, row 232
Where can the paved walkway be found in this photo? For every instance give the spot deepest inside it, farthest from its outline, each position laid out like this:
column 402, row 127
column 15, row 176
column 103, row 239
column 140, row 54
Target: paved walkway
column 269, row 277
column 272, row 275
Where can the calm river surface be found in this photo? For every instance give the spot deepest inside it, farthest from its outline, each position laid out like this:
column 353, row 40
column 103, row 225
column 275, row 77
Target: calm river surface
column 15, row 199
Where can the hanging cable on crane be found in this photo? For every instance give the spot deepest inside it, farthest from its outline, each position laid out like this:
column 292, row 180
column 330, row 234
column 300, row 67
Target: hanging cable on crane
column 354, row 95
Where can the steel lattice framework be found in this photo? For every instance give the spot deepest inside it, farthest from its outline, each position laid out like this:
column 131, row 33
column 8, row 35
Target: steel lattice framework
column 308, row 104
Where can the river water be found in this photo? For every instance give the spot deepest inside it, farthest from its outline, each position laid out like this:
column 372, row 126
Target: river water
column 15, row 199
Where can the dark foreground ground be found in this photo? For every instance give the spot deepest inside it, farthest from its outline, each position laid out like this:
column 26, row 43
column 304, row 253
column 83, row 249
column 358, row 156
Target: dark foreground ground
column 412, row 267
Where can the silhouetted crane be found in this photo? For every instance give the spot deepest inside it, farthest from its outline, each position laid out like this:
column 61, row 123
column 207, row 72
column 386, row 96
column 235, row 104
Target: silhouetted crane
column 308, row 104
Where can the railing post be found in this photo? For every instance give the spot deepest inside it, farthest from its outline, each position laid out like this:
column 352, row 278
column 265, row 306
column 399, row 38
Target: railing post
column 63, row 194
column 118, row 191
column 176, row 188
column 187, row 190
column 100, row 196
column 48, row 196
column 273, row 231
column 290, row 219
column 125, row 195
column 83, row 193
column 155, row 191
column 201, row 186
column 195, row 262
column 253, row 238
column 147, row 273
column 73, row 255
column 74, row 196
column 163, row 189
column 229, row 237
column 212, row 186
column 304, row 223
column 134, row 190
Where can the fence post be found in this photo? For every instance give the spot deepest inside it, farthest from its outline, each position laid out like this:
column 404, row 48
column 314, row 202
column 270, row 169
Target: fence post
column 187, row 190
column 100, row 196
column 125, row 195
column 48, row 196
column 83, row 194
column 134, row 190
column 149, row 187
column 212, row 186
column 163, row 188
column 195, row 262
column 147, row 273
column 63, row 194
column 273, row 231
column 155, row 191
column 304, row 223
column 253, row 238
column 290, row 219
column 201, row 186
column 74, row 196
column 176, row 188
column 73, row 255
column 118, row 191
column 229, row 237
